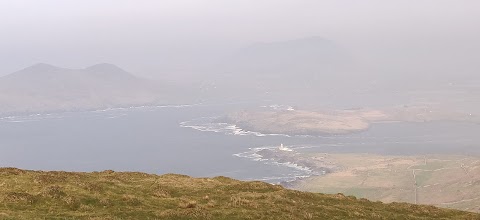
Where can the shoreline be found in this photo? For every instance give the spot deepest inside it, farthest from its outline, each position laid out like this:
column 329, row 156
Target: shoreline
column 449, row 181
column 337, row 122
column 51, row 113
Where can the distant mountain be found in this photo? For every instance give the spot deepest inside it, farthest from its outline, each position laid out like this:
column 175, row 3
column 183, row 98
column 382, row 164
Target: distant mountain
column 300, row 66
column 306, row 56
column 46, row 88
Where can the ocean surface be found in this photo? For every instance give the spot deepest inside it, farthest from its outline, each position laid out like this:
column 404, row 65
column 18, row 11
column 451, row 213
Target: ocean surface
column 185, row 139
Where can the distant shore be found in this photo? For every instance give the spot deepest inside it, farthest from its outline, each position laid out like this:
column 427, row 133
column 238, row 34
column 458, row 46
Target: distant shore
column 13, row 115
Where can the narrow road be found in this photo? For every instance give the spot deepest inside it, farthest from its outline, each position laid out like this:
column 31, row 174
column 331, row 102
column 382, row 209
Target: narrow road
column 460, row 201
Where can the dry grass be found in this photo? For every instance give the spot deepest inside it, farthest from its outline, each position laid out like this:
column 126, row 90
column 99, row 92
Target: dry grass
column 442, row 181
column 114, row 195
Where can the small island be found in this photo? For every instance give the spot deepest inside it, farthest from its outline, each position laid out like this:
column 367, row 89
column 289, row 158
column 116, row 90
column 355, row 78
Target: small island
column 291, row 121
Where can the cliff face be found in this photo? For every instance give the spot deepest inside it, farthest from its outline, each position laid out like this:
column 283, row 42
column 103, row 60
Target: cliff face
column 120, row 195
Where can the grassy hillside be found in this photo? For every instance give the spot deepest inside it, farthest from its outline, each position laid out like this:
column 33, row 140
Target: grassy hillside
column 448, row 181
column 120, row 195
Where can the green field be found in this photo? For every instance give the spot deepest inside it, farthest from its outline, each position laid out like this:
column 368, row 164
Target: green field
column 443, row 181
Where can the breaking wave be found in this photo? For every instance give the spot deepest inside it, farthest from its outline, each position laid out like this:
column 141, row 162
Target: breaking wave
column 109, row 113
column 297, row 171
column 209, row 124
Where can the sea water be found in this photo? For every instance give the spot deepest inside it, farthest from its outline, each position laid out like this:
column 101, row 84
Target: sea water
column 186, row 139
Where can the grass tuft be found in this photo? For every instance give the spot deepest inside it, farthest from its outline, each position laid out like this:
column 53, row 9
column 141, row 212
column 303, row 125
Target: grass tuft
column 15, row 197
column 132, row 195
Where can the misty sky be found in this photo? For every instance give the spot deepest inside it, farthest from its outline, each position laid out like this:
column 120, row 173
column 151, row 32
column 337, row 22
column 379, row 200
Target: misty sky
column 161, row 39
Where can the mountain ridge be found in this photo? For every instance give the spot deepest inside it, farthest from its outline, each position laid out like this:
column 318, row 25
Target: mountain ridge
column 46, row 88
column 40, row 69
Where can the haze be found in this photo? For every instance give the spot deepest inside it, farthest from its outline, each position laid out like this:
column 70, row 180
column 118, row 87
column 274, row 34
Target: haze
column 181, row 39
column 376, row 99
